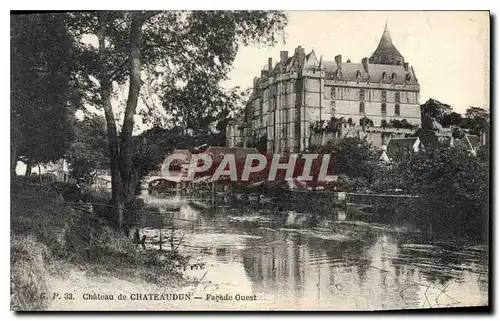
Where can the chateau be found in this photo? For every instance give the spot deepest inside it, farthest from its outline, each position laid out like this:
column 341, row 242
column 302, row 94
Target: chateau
column 370, row 99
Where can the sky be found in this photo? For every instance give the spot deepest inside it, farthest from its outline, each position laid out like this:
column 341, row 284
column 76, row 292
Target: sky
column 449, row 51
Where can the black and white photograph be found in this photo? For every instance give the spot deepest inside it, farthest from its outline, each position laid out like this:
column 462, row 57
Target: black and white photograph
column 261, row 160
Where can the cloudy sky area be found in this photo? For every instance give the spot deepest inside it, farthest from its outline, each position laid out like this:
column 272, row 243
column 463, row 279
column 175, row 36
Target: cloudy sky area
column 448, row 50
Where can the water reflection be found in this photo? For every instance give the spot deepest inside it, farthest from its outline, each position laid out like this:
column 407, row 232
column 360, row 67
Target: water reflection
column 330, row 261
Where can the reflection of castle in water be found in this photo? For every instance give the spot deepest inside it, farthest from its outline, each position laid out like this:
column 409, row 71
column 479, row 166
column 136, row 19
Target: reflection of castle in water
column 298, row 262
column 346, row 274
column 295, row 267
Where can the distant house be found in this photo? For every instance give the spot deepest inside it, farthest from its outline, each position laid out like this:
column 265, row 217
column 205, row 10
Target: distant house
column 470, row 143
column 398, row 147
column 58, row 169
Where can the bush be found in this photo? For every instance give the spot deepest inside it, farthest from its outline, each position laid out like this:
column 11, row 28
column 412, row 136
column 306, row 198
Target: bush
column 28, row 274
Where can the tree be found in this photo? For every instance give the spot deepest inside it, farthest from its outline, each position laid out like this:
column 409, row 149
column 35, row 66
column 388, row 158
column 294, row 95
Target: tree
column 476, row 120
column 351, row 156
column 260, row 144
column 433, row 109
column 43, row 96
column 181, row 51
column 88, row 153
column 451, row 119
column 366, row 122
column 454, row 186
column 428, row 138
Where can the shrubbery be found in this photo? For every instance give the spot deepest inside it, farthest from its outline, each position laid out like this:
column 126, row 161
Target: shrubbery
column 46, row 231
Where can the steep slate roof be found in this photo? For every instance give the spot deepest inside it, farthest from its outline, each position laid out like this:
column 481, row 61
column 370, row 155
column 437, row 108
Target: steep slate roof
column 469, row 142
column 385, row 46
column 474, row 141
column 388, row 60
column 374, row 74
column 399, row 145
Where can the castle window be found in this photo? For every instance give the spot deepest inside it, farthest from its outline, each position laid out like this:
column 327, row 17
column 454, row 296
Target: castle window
column 361, row 94
column 384, row 95
column 361, row 107
column 384, row 109
column 332, row 92
column 396, row 97
column 397, row 110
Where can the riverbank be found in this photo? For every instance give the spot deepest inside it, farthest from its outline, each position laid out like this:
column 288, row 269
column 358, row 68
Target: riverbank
column 50, row 239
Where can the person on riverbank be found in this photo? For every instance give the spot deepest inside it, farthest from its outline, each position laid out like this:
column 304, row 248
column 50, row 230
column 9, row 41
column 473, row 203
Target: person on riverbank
column 74, row 193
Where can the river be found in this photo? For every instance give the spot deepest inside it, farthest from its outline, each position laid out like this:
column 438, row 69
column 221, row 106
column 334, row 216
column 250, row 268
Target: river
column 337, row 261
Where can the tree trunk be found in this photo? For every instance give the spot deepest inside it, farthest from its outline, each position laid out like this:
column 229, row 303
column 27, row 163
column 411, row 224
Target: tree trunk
column 127, row 173
column 121, row 151
column 13, row 159
column 29, row 165
column 105, row 92
column 39, row 175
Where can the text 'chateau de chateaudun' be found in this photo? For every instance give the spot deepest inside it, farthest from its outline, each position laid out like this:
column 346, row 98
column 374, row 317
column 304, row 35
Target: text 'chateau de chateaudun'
column 301, row 90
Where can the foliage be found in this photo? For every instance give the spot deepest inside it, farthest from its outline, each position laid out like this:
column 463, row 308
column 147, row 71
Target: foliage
column 351, row 156
column 365, row 121
column 43, row 94
column 151, row 147
column 403, row 123
column 318, row 127
column 476, row 120
column 451, row 119
column 181, row 56
column 89, row 151
column 433, row 109
column 454, row 186
column 260, row 144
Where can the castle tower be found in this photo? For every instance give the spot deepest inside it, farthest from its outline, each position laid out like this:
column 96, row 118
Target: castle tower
column 386, row 53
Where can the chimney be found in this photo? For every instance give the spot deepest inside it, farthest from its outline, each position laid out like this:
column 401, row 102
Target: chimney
column 270, row 63
column 406, row 66
column 283, row 60
column 301, row 55
column 364, row 61
column 338, row 61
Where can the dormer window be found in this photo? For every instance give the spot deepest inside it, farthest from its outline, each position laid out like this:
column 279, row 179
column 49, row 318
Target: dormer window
column 384, row 75
column 408, row 77
column 339, row 73
column 394, row 76
column 358, row 74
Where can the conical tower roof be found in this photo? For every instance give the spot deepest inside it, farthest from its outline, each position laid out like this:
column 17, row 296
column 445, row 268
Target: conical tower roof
column 386, row 53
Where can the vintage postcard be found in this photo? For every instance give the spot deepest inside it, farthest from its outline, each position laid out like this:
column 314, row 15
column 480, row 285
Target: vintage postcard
column 250, row 160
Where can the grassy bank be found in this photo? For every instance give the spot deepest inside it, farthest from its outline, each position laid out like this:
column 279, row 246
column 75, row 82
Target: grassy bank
column 50, row 236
